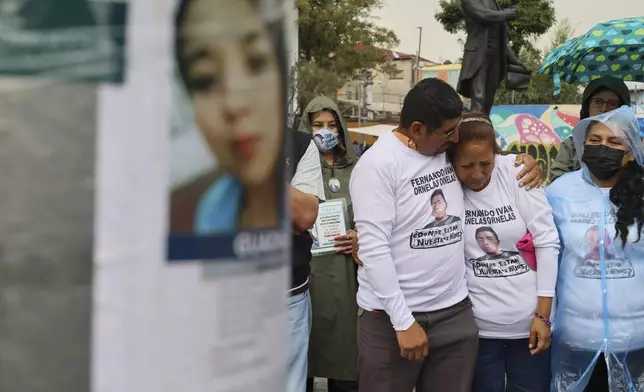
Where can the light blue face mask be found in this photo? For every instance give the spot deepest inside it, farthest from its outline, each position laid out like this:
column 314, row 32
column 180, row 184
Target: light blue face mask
column 325, row 140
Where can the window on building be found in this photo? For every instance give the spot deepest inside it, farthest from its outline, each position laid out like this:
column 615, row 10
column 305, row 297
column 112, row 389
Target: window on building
column 397, row 75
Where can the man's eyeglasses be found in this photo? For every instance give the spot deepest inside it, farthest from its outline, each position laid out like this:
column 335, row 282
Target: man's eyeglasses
column 448, row 134
column 611, row 104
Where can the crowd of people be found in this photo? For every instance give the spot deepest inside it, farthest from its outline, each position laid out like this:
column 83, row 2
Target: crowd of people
column 460, row 272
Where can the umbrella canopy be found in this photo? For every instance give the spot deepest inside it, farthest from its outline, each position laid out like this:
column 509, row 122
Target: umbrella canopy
column 613, row 48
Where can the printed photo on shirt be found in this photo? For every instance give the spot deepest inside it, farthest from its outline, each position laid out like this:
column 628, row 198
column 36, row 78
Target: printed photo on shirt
column 597, row 247
column 439, row 211
column 227, row 142
column 496, row 262
column 443, row 230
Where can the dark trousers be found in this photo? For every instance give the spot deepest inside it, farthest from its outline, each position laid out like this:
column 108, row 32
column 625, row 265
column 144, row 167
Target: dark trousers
column 501, row 358
column 453, row 341
column 485, row 82
column 334, row 385
column 599, row 380
column 599, row 377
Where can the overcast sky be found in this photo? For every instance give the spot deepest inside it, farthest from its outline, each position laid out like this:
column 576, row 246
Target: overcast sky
column 403, row 16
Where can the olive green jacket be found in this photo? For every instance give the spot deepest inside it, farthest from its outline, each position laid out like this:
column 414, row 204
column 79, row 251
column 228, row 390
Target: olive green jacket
column 333, row 347
column 566, row 160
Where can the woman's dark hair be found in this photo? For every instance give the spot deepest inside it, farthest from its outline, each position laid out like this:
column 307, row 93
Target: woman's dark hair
column 628, row 197
column 179, row 21
column 275, row 29
column 486, row 229
column 430, row 102
column 475, row 130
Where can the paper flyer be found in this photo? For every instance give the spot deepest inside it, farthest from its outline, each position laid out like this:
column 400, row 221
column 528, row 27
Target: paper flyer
column 123, row 267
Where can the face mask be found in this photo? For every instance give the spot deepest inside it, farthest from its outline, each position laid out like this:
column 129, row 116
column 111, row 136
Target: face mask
column 325, row 140
column 603, row 161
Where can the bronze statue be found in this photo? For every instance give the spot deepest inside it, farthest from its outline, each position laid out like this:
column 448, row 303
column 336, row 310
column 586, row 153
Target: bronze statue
column 488, row 59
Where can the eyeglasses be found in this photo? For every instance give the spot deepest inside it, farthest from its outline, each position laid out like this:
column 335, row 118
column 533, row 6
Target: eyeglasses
column 611, row 104
column 448, row 134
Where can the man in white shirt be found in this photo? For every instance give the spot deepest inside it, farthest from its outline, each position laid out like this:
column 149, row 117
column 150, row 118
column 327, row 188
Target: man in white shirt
column 413, row 276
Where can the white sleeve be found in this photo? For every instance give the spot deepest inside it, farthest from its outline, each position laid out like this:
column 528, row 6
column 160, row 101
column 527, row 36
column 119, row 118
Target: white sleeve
column 537, row 214
column 308, row 174
column 374, row 208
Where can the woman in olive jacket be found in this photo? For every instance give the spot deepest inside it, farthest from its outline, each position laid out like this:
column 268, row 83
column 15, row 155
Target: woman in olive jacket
column 600, row 96
column 333, row 347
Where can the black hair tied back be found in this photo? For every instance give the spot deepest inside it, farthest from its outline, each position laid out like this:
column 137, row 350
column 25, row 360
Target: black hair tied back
column 628, row 196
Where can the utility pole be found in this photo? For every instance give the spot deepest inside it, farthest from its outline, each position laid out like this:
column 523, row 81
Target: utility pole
column 362, row 104
column 358, row 102
column 420, row 38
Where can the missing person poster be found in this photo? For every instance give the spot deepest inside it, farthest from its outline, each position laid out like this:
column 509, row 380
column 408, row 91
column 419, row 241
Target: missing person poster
column 49, row 114
column 100, row 167
column 226, row 198
column 193, row 238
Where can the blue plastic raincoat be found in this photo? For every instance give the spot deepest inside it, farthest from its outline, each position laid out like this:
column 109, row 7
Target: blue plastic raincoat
column 600, row 289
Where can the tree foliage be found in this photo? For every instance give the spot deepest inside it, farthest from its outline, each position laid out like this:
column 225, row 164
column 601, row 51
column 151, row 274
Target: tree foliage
column 541, row 87
column 534, row 19
column 338, row 42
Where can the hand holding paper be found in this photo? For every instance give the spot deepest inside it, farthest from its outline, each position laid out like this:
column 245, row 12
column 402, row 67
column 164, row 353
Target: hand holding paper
column 344, row 243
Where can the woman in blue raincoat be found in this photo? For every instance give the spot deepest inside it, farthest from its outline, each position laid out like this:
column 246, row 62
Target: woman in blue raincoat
column 598, row 335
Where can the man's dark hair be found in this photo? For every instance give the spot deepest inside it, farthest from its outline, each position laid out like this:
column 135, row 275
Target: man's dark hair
column 488, row 229
column 430, row 102
column 437, row 192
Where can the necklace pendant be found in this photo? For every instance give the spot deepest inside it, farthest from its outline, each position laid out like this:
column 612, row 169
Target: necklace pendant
column 334, row 185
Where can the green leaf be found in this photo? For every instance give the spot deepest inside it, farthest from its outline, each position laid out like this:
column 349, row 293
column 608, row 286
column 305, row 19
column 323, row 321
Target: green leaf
column 338, row 41
column 541, row 89
column 535, row 17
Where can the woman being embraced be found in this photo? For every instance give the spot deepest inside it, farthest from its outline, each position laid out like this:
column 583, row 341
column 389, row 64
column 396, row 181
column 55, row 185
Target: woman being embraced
column 598, row 340
column 511, row 301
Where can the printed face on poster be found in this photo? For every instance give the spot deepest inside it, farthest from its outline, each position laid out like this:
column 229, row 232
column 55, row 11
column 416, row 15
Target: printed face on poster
column 331, row 222
column 227, row 179
column 184, row 177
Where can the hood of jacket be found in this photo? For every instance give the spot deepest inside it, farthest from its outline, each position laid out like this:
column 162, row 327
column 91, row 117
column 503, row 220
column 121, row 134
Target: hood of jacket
column 346, row 156
column 604, row 83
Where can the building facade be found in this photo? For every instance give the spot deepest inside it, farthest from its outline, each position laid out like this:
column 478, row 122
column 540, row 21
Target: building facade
column 385, row 95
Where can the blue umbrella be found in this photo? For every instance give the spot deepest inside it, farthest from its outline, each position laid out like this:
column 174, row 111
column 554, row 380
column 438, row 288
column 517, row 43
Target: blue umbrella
column 613, row 48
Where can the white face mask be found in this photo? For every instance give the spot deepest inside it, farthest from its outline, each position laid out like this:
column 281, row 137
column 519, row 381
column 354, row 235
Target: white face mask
column 325, row 140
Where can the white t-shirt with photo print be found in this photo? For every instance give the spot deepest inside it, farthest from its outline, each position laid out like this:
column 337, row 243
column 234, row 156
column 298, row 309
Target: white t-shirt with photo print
column 503, row 288
column 408, row 210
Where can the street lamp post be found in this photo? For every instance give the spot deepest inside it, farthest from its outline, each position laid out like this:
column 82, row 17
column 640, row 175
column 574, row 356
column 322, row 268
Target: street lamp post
column 420, row 38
